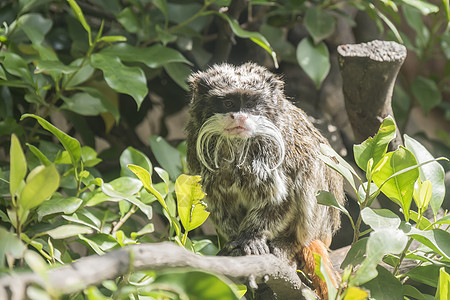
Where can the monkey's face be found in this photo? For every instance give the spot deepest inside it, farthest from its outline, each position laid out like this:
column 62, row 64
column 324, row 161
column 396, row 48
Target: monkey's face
column 233, row 109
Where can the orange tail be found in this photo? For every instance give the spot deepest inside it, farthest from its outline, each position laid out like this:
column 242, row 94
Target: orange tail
column 309, row 265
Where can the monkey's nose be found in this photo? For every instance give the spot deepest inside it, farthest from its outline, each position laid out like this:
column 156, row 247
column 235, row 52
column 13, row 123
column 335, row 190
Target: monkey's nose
column 240, row 117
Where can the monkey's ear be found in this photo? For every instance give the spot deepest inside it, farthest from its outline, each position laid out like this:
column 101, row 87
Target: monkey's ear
column 198, row 84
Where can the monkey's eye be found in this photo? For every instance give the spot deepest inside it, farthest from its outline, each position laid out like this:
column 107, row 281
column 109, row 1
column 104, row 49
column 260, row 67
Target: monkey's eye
column 250, row 103
column 228, row 103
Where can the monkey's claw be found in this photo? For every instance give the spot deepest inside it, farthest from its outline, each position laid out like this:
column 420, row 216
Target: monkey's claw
column 246, row 246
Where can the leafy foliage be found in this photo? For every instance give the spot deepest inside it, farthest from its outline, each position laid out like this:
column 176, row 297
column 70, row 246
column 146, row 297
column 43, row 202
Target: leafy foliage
column 399, row 176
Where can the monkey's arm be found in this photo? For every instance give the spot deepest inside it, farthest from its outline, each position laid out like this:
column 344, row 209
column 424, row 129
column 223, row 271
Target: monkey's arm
column 258, row 226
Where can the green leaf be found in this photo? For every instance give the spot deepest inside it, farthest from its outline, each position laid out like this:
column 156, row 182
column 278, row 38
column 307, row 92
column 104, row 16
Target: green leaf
column 424, row 7
column 380, row 218
column 153, row 57
column 41, row 156
column 40, row 185
column 380, row 242
column 113, row 38
column 443, row 291
column 255, row 37
column 84, row 72
column 106, row 103
column 121, row 78
column 422, row 194
column 179, row 73
column 168, row 157
column 427, row 92
column 66, row 231
column 375, row 147
column 336, row 162
column 18, row 165
column 128, row 19
column 71, row 145
column 190, row 207
column 384, row 286
column 428, row 274
column 322, row 272
column 198, row 284
column 133, row 157
column 146, row 179
column 58, row 204
column 399, row 188
column 414, row 293
column 314, row 60
column 355, row 293
column 17, row 66
column 118, row 195
column 320, row 23
column 328, row 199
column 84, row 104
column 35, row 26
column 435, row 239
column 356, row 254
column 79, row 14
column 10, row 245
column 54, row 67
column 433, row 171
column 89, row 157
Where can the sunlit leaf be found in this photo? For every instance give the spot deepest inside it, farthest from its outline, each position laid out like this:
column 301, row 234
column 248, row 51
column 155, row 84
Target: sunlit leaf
column 39, row 187
column 399, row 188
column 375, row 147
column 18, row 165
column 433, row 171
column 190, row 207
column 10, row 245
column 58, row 204
column 380, row 218
column 66, row 231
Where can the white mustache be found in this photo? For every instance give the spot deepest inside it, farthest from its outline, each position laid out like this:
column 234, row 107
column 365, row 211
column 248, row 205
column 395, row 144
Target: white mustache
column 211, row 140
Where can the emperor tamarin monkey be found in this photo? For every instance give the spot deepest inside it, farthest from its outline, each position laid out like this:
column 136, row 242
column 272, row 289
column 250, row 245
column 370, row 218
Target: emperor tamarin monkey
column 258, row 157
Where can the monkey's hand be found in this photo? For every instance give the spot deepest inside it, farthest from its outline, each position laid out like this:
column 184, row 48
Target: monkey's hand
column 246, row 245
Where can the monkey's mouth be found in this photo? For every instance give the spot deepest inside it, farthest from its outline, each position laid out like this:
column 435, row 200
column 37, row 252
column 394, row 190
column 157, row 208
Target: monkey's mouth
column 237, row 130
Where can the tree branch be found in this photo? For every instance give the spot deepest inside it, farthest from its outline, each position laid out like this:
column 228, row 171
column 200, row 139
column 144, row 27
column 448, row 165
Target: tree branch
column 369, row 71
column 92, row 270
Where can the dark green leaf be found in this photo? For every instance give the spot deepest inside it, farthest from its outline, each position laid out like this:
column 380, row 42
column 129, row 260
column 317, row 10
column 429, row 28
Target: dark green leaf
column 428, row 274
column 168, row 157
column 134, row 157
column 385, row 286
column 70, row 144
column 121, row 78
column 35, row 26
column 84, row 104
column 79, row 14
column 154, row 57
column 328, row 199
column 41, row 156
column 16, row 65
column 58, row 204
column 314, row 60
column 426, row 91
column 436, row 239
column 54, row 67
column 320, row 23
column 129, row 20
column 356, row 254
column 83, row 74
column 179, row 73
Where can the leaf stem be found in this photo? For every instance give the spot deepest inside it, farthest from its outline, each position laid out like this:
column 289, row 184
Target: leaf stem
column 124, row 219
column 402, row 256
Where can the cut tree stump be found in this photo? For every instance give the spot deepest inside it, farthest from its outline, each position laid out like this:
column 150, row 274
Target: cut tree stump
column 369, row 71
